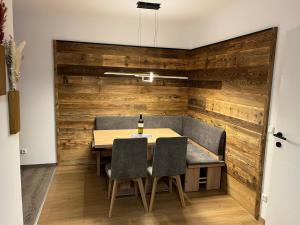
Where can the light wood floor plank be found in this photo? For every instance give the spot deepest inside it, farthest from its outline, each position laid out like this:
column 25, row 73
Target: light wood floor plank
column 80, row 198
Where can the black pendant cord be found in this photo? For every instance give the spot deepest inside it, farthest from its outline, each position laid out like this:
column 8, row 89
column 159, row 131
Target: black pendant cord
column 156, row 29
column 141, row 6
column 140, row 34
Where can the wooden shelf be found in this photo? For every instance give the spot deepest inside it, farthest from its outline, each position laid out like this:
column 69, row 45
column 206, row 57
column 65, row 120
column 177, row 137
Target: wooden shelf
column 14, row 111
column 2, row 71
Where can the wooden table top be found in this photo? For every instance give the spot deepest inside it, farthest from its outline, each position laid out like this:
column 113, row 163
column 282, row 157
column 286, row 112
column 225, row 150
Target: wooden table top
column 105, row 138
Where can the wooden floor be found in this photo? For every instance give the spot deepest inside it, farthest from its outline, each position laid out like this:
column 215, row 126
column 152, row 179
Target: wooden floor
column 78, row 197
column 35, row 183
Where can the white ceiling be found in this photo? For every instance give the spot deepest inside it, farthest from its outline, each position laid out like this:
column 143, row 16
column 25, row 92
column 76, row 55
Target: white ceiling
column 172, row 10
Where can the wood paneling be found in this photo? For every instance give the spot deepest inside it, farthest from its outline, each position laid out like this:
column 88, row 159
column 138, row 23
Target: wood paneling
column 2, row 71
column 105, row 138
column 235, row 81
column 84, row 92
column 229, row 87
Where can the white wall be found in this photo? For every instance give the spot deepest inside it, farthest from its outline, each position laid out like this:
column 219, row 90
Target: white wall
column 246, row 17
column 37, row 84
column 10, row 180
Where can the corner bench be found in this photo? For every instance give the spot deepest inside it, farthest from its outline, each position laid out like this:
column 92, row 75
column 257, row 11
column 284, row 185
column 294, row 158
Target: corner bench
column 205, row 151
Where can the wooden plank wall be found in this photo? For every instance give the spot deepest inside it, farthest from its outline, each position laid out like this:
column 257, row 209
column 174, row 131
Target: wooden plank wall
column 231, row 89
column 83, row 92
column 229, row 86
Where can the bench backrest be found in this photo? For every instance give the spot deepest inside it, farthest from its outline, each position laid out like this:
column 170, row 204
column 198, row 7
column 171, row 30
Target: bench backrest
column 210, row 137
column 130, row 122
column 116, row 122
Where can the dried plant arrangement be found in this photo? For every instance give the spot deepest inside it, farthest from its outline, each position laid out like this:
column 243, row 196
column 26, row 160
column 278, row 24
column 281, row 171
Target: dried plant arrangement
column 3, row 10
column 14, row 59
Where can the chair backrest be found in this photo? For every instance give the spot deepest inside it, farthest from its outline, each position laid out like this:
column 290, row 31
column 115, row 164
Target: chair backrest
column 129, row 158
column 169, row 158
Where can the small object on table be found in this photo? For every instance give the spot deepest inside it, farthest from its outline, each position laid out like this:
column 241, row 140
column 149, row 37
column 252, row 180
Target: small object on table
column 141, row 135
column 141, row 125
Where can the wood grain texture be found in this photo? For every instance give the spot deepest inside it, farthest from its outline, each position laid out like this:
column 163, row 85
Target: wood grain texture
column 84, row 92
column 2, row 71
column 77, row 197
column 243, row 67
column 229, row 87
column 14, row 111
column 105, row 138
column 213, row 178
column 191, row 181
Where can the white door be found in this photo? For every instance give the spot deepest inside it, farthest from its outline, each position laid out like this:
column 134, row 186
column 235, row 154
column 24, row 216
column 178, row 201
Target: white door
column 284, row 199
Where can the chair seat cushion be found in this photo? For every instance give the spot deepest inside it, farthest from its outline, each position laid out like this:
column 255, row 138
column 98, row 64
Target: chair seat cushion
column 195, row 155
column 108, row 169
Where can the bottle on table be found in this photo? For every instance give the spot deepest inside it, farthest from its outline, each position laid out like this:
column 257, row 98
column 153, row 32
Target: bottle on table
column 140, row 125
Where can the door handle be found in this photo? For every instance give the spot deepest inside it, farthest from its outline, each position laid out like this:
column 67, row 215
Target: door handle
column 280, row 136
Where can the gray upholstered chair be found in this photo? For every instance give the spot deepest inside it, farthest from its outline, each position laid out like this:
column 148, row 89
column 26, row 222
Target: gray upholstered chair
column 128, row 163
column 169, row 160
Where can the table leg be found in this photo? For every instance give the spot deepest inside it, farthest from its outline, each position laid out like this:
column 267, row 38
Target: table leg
column 98, row 164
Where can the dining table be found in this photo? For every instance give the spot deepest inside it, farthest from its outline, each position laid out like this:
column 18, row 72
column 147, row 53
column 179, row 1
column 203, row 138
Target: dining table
column 103, row 140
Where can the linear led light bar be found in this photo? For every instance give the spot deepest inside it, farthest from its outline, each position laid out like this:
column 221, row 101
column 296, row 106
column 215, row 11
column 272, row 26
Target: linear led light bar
column 146, row 75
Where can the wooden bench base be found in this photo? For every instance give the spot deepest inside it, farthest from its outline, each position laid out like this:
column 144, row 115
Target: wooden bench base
column 213, row 179
column 192, row 177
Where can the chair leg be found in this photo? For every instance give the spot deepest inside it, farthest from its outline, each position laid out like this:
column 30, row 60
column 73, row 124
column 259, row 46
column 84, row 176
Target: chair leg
column 109, row 188
column 136, row 192
column 113, row 197
column 146, row 184
column 180, row 191
column 153, row 193
column 143, row 195
column 170, row 184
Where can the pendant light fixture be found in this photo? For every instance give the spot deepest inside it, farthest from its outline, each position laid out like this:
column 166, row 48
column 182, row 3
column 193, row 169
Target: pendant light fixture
column 146, row 76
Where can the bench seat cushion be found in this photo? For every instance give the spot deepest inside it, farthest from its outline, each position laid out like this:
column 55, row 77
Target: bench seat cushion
column 108, row 169
column 149, row 170
column 195, row 156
